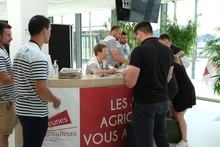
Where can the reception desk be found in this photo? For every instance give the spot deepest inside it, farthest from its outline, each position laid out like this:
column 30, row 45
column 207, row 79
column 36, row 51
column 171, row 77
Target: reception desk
column 94, row 112
column 87, row 81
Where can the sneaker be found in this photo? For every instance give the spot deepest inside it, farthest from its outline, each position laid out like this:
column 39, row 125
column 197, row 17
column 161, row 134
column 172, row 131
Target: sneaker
column 182, row 144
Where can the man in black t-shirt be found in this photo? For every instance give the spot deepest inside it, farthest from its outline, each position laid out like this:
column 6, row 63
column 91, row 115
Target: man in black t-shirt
column 151, row 66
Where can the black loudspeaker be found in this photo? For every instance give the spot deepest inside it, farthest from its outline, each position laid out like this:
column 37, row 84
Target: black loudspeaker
column 138, row 10
column 123, row 14
column 60, row 45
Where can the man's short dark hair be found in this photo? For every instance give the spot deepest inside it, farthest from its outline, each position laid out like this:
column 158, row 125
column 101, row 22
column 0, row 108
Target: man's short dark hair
column 123, row 33
column 115, row 28
column 164, row 36
column 143, row 27
column 3, row 25
column 37, row 23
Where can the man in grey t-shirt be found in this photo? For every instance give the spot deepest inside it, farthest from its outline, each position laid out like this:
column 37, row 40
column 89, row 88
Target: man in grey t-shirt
column 114, row 57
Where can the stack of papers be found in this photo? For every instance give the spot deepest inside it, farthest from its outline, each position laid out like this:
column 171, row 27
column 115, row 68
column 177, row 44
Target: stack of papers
column 70, row 73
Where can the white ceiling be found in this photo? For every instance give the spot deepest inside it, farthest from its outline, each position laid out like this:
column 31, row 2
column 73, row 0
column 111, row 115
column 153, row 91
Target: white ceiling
column 58, row 7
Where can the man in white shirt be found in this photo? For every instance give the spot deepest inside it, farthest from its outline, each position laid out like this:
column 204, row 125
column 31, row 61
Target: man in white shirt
column 122, row 46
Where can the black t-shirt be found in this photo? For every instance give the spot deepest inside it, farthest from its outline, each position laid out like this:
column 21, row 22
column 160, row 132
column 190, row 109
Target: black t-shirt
column 154, row 60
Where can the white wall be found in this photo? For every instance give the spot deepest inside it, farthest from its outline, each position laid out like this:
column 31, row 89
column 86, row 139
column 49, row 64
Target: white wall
column 19, row 14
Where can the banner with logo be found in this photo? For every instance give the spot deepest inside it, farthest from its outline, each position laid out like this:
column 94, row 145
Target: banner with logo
column 93, row 117
column 209, row 72
column 63, row 125
column 104, row 114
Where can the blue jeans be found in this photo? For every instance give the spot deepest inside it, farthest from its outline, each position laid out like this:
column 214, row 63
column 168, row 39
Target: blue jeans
column 150, row 122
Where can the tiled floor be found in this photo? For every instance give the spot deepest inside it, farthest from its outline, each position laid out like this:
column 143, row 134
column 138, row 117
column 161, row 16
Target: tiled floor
column 203, row 122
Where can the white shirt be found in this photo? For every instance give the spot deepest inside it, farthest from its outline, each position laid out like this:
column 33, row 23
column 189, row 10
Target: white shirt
column 94, row 64
column 123, row 49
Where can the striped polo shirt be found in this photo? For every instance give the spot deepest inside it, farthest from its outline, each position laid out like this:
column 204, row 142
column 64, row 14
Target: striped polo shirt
column 30, row 64
column 6, row 92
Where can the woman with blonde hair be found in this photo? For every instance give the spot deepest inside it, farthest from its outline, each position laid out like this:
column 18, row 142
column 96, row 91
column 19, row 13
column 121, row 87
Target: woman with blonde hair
column 184, row 99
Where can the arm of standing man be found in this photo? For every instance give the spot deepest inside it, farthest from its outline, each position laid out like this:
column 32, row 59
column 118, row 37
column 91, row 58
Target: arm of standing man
column 45, row 94
column 131, row 75
column 118, row 58
column 6, row 79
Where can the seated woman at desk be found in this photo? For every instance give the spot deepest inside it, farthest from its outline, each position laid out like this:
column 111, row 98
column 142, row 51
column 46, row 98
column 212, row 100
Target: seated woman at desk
column 97, row 65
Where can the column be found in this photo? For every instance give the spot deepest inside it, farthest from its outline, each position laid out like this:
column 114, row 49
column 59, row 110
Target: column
column 78, row 30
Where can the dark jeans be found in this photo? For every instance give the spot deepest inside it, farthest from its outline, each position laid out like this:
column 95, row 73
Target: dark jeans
column 150, row 122
column 34, row 130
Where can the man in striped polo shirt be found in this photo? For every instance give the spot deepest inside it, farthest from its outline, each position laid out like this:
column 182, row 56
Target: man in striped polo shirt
column 30, row 77
column 8, row 119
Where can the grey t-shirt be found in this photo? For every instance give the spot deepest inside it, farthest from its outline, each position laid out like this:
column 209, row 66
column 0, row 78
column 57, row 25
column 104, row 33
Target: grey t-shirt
column 120, row 48
column 110, row 41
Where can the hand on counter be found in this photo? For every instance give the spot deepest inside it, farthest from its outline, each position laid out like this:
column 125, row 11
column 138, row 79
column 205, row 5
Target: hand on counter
column 113, row 70
column 124, row 72
column 131, row 76
column 117, row 65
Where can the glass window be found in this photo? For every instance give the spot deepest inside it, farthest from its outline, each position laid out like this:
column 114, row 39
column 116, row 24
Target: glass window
column 206, row 31
column 92, row 25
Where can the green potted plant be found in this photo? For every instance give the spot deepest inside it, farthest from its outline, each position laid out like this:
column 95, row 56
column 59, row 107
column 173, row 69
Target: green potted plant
column 212, row 51
column 183, row 36
column 128, row 27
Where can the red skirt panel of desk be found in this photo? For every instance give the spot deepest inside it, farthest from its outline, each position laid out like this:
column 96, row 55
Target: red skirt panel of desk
column 94, row 116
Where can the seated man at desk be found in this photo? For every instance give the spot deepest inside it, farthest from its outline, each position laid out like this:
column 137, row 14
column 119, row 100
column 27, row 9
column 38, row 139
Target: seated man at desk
column 97, row 65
